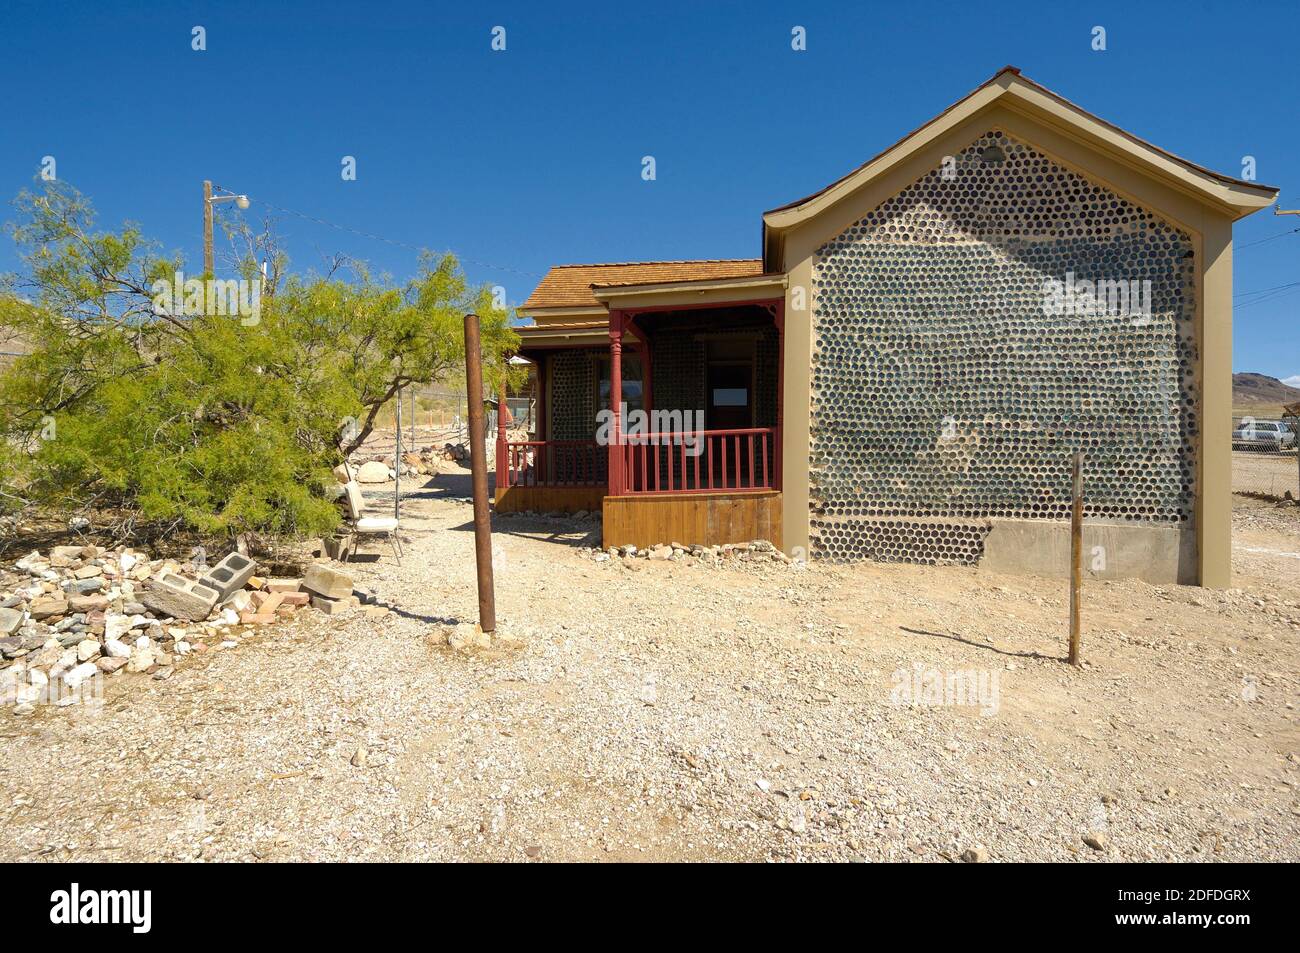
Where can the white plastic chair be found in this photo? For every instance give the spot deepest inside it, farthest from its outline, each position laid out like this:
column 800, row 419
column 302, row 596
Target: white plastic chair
column 371, row 525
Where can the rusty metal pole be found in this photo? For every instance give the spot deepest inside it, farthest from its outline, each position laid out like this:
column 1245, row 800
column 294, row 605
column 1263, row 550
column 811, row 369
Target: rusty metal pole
column 487, row 609
column 1076, row 556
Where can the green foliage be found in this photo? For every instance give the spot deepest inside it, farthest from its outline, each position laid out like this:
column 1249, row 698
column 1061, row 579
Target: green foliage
column 211, row 422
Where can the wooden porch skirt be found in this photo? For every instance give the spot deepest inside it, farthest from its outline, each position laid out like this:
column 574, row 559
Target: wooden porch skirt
column 709, row 519
column 549, row 499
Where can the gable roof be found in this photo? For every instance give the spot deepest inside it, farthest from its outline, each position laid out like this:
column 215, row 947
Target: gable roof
column 1232, row 196
column 570, row 286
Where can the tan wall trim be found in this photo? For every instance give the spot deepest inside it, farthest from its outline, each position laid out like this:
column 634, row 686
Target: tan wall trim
column 1214, row 347
column 1009, row 92
column 797, row 345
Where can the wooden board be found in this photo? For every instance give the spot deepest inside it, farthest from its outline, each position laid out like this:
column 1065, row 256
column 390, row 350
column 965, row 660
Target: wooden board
column 709, row 519
column 549, row 499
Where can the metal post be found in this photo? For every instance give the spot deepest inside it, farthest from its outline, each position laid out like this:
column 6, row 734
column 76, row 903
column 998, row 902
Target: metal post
column 207, row 227
column 1076, row 556
column 413, row 440
column 478, row 466
column 397, row 461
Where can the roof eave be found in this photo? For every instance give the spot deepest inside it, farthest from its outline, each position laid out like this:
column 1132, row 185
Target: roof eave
column 607, row 293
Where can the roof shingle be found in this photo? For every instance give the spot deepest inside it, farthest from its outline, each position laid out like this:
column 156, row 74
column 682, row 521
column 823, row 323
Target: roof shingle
column 569, row 286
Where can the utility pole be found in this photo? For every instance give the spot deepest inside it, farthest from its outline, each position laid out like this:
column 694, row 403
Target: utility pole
column 207, row 227
column 209, row 200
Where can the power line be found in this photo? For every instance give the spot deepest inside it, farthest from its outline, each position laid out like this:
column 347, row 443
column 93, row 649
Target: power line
column 1290, row 231
column 532, row 274
column 391, row 241
column 1261, row 291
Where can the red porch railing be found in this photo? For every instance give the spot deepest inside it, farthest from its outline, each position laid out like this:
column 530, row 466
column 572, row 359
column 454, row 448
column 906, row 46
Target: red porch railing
column 556, row 463
column 707, row 460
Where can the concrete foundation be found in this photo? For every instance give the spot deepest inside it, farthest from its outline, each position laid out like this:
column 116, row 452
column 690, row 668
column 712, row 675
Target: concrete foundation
column 1111, row 550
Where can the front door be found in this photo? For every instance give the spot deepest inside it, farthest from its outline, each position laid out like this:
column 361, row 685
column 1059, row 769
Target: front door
column 730, row 406
column 730, row 403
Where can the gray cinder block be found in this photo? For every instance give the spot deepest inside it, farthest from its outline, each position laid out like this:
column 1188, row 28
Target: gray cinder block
column 175, row 596
column 229, row 576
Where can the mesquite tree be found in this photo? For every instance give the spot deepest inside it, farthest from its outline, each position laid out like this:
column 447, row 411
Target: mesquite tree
column 156, row 401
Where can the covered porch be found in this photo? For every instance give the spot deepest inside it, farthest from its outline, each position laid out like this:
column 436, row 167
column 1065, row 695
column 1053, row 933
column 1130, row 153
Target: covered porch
column 666, row 414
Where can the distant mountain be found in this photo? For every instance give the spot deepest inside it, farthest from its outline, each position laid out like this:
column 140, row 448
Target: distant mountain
column 1260, row 389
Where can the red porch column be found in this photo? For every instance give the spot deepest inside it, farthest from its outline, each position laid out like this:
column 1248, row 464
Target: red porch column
column 616, row 402
column 503, row 441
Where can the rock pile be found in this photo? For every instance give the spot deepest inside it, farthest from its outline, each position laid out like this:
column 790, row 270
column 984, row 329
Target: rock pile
column 86, row 611
column 759, row 551
column 375, row 468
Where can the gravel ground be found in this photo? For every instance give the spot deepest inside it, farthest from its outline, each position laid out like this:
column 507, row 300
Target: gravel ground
column 665, row 710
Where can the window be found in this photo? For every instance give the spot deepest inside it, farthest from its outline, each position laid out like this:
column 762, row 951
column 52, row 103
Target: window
column 632, row 391
column 730, row 397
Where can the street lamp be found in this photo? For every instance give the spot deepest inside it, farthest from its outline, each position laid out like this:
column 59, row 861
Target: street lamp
column 241, row 202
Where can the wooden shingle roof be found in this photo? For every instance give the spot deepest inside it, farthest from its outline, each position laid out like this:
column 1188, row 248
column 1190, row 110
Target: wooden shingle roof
column 569, row 286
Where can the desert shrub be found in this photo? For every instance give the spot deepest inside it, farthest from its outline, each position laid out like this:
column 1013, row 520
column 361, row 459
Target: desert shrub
column 218, row 423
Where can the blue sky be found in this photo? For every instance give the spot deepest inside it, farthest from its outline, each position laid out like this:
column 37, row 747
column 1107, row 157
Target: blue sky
column 530, row 157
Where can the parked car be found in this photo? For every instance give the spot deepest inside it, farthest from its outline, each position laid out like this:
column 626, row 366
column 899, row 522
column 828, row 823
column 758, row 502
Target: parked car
column 1269, row 435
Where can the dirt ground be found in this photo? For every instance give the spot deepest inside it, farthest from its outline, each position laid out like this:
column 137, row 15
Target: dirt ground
column 664, row 710
column 1267, row 474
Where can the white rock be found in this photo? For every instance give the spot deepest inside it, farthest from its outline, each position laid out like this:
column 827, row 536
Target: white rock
column 10, row 679
column 144, row 643
column 76, row 676
column 31, row 561
column 182, row 648
column 116, row 649
column 87, row 649
column 228, row 617
column 116, row 625
column 141, row 660
column 372, row 472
